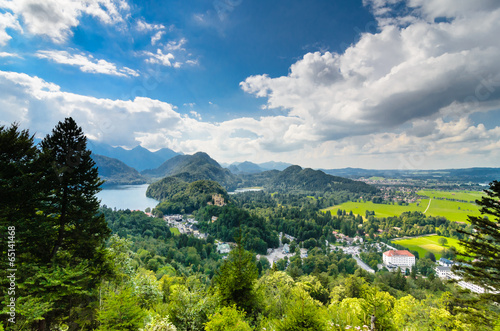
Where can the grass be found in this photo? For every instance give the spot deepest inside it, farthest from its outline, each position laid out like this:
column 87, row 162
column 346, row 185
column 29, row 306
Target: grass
column 175, row 231
column 428, row 244
column 381, row 210
column 457, row 211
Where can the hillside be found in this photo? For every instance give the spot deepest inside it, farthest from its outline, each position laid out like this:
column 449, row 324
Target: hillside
column 178, row 196
column 195, row 167
column 296, row 178
column 115, row 172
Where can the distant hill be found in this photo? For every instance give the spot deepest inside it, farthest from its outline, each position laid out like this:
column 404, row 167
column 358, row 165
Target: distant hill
column 474, row 175
column 274, row 165
column 115, row 172
column 195, row 167
column 139, row 157
column 296, row 178
column 245, row 167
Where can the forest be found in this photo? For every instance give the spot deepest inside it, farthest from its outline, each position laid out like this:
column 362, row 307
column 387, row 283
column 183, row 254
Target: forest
column 80, row 266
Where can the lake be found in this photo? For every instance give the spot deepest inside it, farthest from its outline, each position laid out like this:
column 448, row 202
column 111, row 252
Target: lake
column 126, row 197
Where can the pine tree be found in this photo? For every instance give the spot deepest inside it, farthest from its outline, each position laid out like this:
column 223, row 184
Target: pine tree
column 235, row 280
column 49, row 196
column 482, row 244
column 74, row 182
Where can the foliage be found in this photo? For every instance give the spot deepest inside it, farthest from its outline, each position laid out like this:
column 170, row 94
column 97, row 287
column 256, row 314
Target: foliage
column 177, row 196
column 120, row 311
column 60, row 235
column 483, row 244
column 236, row 278
column 228, row 318
column 159, row 324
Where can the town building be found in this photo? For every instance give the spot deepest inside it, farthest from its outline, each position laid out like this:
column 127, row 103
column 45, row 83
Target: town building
column 443, row 272
column 223, row 248
column 399, row 258
column 445, row 262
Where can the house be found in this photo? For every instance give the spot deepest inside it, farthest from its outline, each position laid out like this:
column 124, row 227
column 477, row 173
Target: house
column 223, row 248
column 445, row 262
column 286, row 249
column 443, row 272
column 399, row 258
column 214, row 218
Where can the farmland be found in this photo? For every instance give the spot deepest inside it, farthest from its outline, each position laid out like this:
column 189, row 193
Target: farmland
column 427, row 244
column 453, row 205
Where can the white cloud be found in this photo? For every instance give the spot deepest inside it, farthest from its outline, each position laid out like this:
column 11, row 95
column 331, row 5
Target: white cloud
column 56, row 18
column 176, row 45
column 5, row 54
column 157, row 36
column 144, row 26
column 86, row 63
column 392, row 77
column 159, row 58
column 39, row 105
column 7, row 21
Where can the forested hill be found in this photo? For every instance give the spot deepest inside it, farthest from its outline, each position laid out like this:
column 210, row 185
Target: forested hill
column 296, row 178
column 194, row 167
column 178, row 196
column 115, row 172
column 201, row 166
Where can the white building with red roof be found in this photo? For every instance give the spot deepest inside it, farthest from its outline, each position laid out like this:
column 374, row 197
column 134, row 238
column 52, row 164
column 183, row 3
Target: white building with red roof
column 402, row 259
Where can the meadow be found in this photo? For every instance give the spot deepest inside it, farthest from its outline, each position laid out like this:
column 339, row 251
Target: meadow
column 457, row 211
column 428, row 244
column 175, row 231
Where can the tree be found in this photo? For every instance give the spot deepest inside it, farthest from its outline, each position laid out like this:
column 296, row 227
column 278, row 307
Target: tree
column 48, row 194
column 443, row 241
column 430, row 255
column 482, row 245
column 74, row 181
column 235, row 279
column 120, row 311
column 228, row 318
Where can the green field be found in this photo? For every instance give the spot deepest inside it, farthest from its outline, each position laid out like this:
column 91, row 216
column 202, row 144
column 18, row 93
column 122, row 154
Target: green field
column 175, row 231
column 452, row 210
column 427, row 244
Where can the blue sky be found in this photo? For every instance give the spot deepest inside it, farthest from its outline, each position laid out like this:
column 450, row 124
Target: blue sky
column 410, row 84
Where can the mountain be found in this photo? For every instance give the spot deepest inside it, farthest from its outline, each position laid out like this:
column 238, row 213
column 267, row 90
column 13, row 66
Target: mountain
column 195, row 167
column 245, row 167
column 139, row 157
column 296, row 178
column 271, row 165
column 115, row 172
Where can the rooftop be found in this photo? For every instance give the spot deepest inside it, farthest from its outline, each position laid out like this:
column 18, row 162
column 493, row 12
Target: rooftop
column 398, row 253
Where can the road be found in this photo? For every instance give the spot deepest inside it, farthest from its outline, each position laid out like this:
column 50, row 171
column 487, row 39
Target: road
column 428, row 206
column 363, row 265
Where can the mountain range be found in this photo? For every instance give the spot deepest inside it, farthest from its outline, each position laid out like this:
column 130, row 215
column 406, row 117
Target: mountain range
column 138, row 157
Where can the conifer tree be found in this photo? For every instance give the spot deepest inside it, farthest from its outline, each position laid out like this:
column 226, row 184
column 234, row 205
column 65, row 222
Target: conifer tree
column 71, row 175
column 482, row 244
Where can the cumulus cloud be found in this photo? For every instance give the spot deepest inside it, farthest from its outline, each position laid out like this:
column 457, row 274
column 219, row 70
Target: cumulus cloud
column 86, row 63
column 7, row 21
column 56, row 18
column 39, row 105
column 400, row 74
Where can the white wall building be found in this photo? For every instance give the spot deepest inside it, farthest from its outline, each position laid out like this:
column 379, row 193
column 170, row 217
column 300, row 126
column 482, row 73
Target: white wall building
column 402, row 259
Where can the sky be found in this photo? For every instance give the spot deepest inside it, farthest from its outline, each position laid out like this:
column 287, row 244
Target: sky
column 376, row 84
